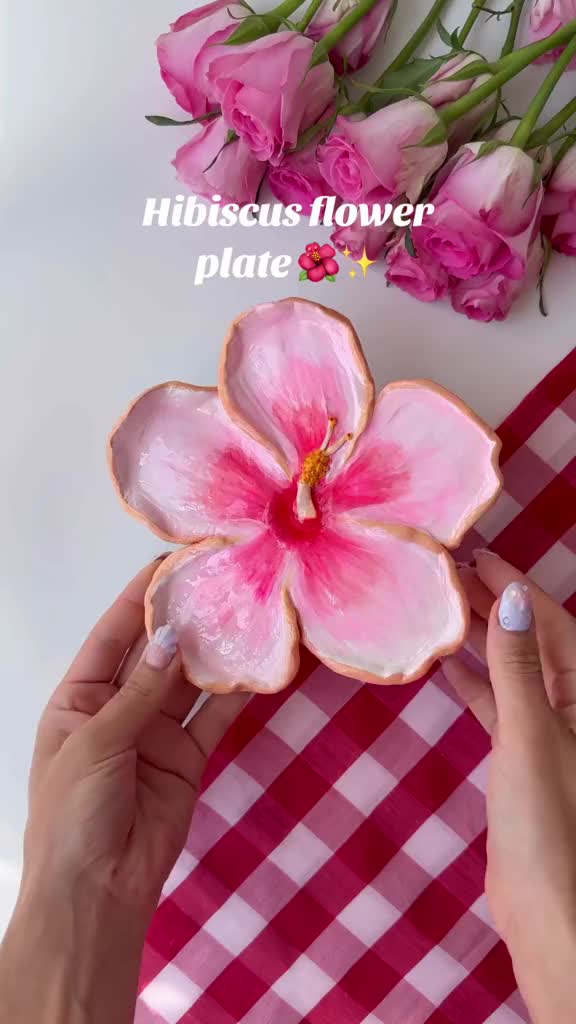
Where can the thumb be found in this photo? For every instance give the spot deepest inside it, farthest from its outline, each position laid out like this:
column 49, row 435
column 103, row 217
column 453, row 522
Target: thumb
column 122, row 720
column 514, row 661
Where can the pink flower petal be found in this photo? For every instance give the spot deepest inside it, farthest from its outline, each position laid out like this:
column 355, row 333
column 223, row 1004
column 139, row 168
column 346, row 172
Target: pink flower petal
column 234, row 620
column 180, row 464
column 425, row 460
column 326, row 250
column 306, row 262
column 378, row 603
column 287, row 367
column 330, row 266
column 317, row 273
column 181, row 52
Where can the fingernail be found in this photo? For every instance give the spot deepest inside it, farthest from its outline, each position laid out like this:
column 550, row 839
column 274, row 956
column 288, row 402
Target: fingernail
column 515, row 608
column 162, row 648
column 485, row 551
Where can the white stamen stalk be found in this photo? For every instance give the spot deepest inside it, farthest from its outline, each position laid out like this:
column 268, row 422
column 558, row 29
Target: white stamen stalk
column 314, row 469
column 304, row 504
column 329, row 432
column 339, row 444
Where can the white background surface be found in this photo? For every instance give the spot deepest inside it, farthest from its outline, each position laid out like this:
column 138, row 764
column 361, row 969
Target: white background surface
column 96, row 308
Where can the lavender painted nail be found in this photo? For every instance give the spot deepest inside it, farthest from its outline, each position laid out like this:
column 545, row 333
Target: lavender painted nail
column 515, row 608
column 161, row 648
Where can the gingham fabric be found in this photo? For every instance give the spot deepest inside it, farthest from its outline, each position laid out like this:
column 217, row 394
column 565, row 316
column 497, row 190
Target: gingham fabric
column 334, row 871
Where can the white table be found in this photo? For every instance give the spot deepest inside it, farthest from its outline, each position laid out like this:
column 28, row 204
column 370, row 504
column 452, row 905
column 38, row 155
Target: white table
column 96, row 308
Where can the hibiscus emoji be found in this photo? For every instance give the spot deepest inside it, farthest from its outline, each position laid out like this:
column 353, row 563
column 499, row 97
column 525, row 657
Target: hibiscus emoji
column 318, row 262
column 311, row 511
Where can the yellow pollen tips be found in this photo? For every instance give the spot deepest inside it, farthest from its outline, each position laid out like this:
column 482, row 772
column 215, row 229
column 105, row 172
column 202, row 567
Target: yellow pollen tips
column 315, row 467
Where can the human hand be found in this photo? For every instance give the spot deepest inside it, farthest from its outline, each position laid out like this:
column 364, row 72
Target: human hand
column 113, row 785
column 528, row 705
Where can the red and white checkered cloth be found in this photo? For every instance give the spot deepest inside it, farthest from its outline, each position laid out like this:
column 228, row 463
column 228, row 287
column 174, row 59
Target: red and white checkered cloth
column 334, row 873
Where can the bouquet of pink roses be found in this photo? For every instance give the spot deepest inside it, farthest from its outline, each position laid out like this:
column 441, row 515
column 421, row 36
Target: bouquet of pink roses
column 271, row 96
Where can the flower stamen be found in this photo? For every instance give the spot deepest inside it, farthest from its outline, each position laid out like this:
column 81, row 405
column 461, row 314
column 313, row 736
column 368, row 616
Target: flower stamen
column 314, row 469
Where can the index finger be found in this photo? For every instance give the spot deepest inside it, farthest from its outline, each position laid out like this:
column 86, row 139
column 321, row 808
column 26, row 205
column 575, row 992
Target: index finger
column 105, row 647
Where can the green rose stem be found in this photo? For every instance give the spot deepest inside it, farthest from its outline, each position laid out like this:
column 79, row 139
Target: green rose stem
column 469, row 24
column 512, row 28
column 530, row 119
column 505, row 69
column 416, row 39
column 542, row 135
column 312, row 10
column 333, row 37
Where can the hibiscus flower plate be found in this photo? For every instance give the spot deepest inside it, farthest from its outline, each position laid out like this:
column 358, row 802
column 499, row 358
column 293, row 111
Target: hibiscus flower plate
column 311, row 510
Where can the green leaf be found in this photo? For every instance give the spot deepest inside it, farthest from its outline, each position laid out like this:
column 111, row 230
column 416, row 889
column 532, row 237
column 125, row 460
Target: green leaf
column 411, row 76
column 168, row 122
column 435, row 137
column 409, row 243
column 378, row 90
column 330, row 277
column 489, row 147
column 253, row 27
column 443, row 33
column 455, row 39
column 303, row 275
column 231, row 136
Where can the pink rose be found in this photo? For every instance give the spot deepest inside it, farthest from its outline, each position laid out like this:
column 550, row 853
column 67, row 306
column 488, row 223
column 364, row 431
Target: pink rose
column 486, row 213
column 542, row 155
column 546, row 17
column 559, row 208
column 490, row 296
column 440, row 92
column 377, row 159
column 422, row 277
column 355, row 50
column 209, row 165
column 356, row 238
column 297, row 178
column 268, row 92
column 182, row 51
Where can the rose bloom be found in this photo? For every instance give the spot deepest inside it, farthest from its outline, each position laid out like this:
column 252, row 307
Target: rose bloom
column 440, row 93
column 490, row 297
column 559, row 206
column 297, row 178
column 542, row 155
column 355, row 238
column 356, row 48
column 210, row 165
column 268, row 92
column 546, row 17
column 318, row 261
column 486, row 212
column 182, row 52
column 421, row 277
column 377, row 159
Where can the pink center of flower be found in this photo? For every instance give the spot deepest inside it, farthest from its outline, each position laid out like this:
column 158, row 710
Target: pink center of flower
column 284, row 522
